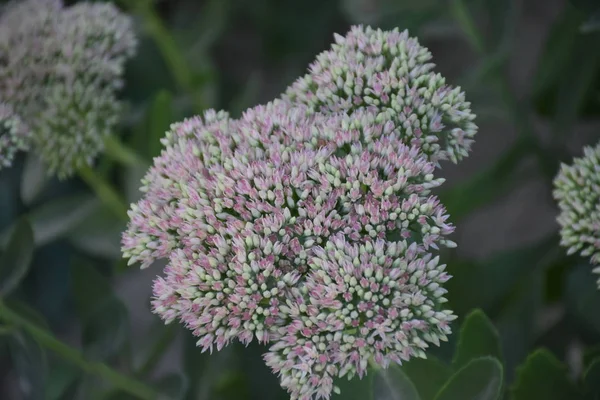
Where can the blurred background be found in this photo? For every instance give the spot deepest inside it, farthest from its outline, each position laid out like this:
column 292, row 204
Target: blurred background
column 531, row 69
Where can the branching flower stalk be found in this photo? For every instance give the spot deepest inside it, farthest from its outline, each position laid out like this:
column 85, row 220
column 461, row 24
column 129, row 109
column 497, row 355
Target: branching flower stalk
column 309, row 224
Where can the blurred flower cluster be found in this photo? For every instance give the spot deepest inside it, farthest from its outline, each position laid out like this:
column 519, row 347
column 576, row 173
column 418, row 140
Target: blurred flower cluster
column 60, row 68
column 309, row 224
column 577, row 190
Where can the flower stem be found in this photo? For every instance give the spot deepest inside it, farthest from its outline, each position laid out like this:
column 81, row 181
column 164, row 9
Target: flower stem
column 119, row 152
column 47, row 340
column 104, row 191
column 172, row 54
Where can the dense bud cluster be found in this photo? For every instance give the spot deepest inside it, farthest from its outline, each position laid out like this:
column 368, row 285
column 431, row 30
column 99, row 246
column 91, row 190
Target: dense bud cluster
column 59, row 70
column 312, row 231
column 577, row 190
column 392, row 74
column 13, row 135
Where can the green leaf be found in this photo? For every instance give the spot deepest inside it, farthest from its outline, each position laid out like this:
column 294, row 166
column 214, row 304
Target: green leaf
column 590, row 355
column 100, row 235
column 172, row 386
column 61, row 376
column 478, row 338
column 104, row 316
column 591, row 379
column 159, row 119
column 592, row 24
column 393, row 384
column 557, row 51
column 542, row 376
column 15, row 261
column 90, row 288
column 428, row 375
column 480, row 379
column 583, row 297
column 355, row 388
column 487, row 185
column 106, row 330
column 29, row 360
column 33, row 180
column 488, row 283
column 54, row 219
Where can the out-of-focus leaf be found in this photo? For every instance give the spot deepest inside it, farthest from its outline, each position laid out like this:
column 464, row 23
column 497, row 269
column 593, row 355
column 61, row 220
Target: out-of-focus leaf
column 106, row 330
column 355, row 388
column 591, row 379
column 502, row 18
column 33, row 180
column 15, row 261
column 488, row 185
column 262, row 383
column 583, row 297
column 172, row 386
column 574, row 87
column 99, row 235
column 478, row 338
column 557, row 51
column 381, row 13
column 247, row 96
column 428, row 375
column 132, row 181
column 29, row 360
column 393, row 384
column 488, row 283
column 590, row 355
column 90, row 288
column 543, row 377
column 54, row 219
column 159, row 120
column 29, row 313
column 517, row 321
column 104, row 317
column 480, row 379
column 592, row 24
column 61, row 376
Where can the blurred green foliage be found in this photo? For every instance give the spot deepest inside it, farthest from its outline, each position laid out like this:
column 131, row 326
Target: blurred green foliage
column 536, row 310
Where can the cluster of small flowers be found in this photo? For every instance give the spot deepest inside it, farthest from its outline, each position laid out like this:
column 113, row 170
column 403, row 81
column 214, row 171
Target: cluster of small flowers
column 310, row 231
column 391, row 73
column 60, row 68
column 577, row 190
column 13, row 135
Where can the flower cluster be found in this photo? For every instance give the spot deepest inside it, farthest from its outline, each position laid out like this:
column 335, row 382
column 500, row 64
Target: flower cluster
column 312, row 231
column 60, row 68
column 391, row 73
column 13, row 135
column 577, row 190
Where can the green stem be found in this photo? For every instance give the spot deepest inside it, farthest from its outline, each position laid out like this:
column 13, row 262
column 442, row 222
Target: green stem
column 47, row 340
column 172, row 54
column 119, row 152
column 104, row 191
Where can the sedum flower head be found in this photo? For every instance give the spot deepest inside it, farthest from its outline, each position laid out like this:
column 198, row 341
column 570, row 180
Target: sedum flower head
column 577, row 190
column 13, row 135
column 392, row 74
column 59, row 70
column 313, row 233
